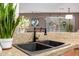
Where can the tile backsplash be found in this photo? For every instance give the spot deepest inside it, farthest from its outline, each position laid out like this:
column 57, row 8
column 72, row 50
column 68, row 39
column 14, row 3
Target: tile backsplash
column 42, row 17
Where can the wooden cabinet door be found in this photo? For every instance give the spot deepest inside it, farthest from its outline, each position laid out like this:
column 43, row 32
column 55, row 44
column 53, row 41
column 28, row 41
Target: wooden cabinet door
column 73, row 52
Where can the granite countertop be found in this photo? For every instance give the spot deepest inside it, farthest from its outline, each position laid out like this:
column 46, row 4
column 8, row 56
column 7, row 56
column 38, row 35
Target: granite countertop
column 73, row 43
column 57, row 52
column 12, row 52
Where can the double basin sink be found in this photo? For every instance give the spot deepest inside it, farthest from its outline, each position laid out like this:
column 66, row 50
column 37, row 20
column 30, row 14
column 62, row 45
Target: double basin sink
column 39, row 45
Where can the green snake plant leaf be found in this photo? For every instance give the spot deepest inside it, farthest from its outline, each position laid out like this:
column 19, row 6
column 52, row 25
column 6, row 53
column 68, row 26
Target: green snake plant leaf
column 8, row 22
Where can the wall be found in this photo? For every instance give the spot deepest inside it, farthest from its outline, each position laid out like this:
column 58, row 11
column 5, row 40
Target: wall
column 48, row 7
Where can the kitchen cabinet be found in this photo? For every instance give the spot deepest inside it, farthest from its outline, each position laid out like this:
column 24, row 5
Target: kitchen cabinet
column 72, row 52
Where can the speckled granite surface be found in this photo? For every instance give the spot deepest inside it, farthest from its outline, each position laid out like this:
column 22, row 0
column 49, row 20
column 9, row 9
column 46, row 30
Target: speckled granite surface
column 12, row 52
column 69, row 38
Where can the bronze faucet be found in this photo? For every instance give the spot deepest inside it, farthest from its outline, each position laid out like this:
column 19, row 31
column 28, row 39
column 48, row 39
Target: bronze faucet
column 34, row 37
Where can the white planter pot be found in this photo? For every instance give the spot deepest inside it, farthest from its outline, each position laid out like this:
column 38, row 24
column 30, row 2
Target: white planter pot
column 6, row 43
column 0, row 49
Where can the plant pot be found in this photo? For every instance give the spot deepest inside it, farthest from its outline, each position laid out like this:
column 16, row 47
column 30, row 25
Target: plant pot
column 0, row 49
column 6, row 43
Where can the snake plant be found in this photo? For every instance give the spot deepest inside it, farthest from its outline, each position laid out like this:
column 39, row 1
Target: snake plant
column 8, row 20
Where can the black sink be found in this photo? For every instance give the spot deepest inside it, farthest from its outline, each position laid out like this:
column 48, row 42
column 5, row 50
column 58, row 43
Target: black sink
column 52, row 43
column 32, row 46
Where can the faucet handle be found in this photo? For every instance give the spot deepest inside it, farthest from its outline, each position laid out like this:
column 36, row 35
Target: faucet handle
column 45, row 31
